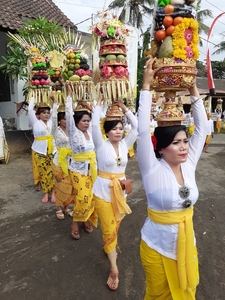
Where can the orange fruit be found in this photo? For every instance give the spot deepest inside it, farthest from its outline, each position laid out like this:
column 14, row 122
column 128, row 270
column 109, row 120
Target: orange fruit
column 168, row 9
column 160, row 35
column 170, row 30
column 177, row 20
column 167, row 21
column 72, row 55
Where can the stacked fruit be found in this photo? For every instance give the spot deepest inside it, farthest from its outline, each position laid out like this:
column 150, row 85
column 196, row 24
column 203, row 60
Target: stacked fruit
column 54, row 74
column 77, row 67
column 39, row 73
column 175, row 29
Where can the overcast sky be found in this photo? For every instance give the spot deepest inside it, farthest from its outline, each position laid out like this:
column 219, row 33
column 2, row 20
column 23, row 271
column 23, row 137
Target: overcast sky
column 80, row 10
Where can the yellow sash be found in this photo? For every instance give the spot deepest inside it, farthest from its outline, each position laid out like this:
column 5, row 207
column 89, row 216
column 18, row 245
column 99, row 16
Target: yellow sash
column 185, row 242
column 120, row 207
column 49, row 139
column 90, row 156
column 63, row 153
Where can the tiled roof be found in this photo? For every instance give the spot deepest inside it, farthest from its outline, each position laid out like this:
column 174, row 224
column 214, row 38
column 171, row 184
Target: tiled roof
column 13, row 12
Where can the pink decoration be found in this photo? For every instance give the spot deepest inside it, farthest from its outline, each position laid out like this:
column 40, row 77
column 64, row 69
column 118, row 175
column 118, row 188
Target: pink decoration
column 107, row 71
column 88, row 72
column 104, row 33
column 188, row 35
column 97, row 31
column 121, row 71
column 118, row 31
column 80, row 72
column 189, row 52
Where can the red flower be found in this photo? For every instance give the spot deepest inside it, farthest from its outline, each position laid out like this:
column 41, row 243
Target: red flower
column 154, row 142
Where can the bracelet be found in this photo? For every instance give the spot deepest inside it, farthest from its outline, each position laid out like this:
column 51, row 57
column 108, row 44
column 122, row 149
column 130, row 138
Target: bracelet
column 195, row 101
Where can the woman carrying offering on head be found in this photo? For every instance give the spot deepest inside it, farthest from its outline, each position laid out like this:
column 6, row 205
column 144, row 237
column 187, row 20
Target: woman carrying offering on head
column 168, row 251
column 83, row 167
column 43, row 146
column 110, row 187
column 63, row 187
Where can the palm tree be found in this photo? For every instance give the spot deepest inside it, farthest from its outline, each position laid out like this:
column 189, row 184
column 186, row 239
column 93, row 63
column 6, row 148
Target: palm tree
column 202, row 14
column 135, row 9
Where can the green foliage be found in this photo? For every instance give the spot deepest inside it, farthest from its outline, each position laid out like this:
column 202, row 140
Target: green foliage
column 218, row 69
column 201, row 69
column 15, row 61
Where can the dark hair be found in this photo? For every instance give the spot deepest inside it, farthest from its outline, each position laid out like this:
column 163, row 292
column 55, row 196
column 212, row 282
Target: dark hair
column 78, row 115
column 61, row 115
column 41, row 110
column 165, row 136
column 109, row 125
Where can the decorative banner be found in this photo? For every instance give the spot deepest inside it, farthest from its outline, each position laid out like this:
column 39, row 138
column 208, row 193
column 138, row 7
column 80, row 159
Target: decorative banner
column 208, row 61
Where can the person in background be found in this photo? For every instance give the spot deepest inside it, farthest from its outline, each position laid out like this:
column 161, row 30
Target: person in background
column 168, row 251
column 191, row 126
column 127, row 129
column 209, row 132
column 83, row 167
column 43, row 146
column 218, row 119
column 110, row 188
column 63, row 187
column 153, row 124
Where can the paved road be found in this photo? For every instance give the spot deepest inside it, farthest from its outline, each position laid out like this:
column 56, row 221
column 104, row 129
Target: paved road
column 39, row 260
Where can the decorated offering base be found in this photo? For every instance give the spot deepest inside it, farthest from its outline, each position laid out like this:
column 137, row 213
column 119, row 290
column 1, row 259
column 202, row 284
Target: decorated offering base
column 170, row 115
column 114, row 113
column 174, row 74
column 175, row 44
column 83, row 90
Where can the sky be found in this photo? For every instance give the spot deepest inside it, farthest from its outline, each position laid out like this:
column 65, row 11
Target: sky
column 80, row 10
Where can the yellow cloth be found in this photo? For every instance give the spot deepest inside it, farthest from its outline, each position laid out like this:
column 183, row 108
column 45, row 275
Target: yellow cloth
column 191, row 129
column 109, row 225
column 63, row 153
column 120, row 207
column 90, row 156
column 218, row 125
column 64, row 192
column 35, row 168
column 208, row 139
column 185, row 242
column 44, row 165
column 161, row 277
column 83, row 201
column 49, row 139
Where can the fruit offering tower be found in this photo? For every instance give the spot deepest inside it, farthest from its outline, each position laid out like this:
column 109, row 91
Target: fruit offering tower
column 78, row 72
column 175, row 44
column 113, row 79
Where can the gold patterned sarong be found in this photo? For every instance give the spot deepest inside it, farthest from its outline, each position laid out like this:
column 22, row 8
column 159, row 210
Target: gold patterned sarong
column 88, row 156
column 63, row 187
column 185, row 242
column 44, row 166
column 109, row 225
column 84, row 203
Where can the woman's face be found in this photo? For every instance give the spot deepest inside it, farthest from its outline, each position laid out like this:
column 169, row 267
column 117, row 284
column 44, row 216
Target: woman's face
column 177, row 151
column 62, row 122
column 116, row 134
column 84, row 123
column 44, row 115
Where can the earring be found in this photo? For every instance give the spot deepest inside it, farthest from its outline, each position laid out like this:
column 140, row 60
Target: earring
column 161, row 154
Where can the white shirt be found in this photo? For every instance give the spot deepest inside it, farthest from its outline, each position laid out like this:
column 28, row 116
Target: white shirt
column 153, row 125
column 39, row 129
column 78, row 142
column 159, row 181
column 210, row 127
column 106, row 155
column 61, row 139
